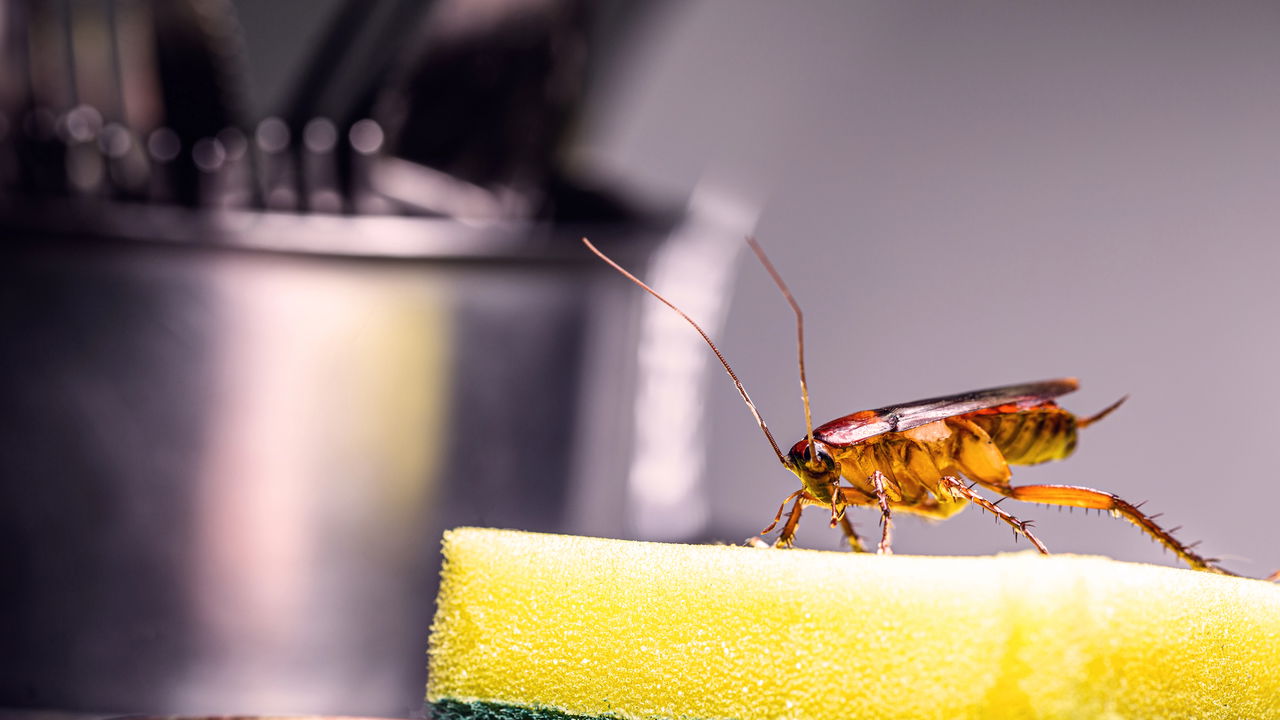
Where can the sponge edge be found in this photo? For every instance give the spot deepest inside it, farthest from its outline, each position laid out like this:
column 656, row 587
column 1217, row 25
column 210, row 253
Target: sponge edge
column 531, row 625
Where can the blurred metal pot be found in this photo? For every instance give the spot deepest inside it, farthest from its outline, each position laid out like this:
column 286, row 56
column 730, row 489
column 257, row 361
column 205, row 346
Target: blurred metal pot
column 225, row 468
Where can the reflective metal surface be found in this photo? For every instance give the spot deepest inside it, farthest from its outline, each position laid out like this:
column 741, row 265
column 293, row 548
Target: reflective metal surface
column 259, row 348
column 225, row 472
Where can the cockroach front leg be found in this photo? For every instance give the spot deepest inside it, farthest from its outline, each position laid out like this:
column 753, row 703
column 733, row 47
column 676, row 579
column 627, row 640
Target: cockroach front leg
column 841, row 518
column 777, row 517
column 959, row 489
column 788, row 535
column 855, row 542
column 837, row 508
column 846, row 497
column 1083, row 497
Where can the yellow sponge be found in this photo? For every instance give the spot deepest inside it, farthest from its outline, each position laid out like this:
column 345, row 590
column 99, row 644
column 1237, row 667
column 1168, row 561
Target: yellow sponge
column 544, row 626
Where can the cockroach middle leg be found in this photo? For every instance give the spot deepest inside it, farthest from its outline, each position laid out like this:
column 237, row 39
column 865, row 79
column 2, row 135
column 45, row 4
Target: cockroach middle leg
column 877, row 480
column 1083, row 497
column 854, row 497
column 959, row 489
column 885, row 547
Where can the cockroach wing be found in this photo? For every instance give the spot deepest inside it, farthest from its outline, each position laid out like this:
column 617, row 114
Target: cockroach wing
column 859, row 426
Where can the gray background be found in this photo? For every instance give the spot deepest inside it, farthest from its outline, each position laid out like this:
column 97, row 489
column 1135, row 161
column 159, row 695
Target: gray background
column 973, row 194
column 962, row 195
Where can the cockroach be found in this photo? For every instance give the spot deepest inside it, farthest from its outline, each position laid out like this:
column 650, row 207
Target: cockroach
column 911, row 457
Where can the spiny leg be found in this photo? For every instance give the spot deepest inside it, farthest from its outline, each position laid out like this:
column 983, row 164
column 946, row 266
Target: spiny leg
column 846, row 497
column 781, row 508
column 801, row 497
column 1083, row 497
column 843, row 497
column 855, row 542
column 787, row 537
column 1019, row 526
column 838, row 517
column 882, row 499
column 837, row 509
column 757, row 541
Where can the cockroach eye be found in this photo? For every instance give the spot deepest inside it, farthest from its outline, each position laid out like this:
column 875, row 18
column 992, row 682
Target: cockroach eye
column 822, row 464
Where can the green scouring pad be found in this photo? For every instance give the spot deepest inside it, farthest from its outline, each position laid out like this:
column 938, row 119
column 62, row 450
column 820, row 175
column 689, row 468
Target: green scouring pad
column 535, row 626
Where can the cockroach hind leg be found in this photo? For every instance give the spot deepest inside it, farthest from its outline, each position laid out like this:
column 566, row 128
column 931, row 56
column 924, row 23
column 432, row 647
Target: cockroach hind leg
column 1090, row 499
column 1022, row 527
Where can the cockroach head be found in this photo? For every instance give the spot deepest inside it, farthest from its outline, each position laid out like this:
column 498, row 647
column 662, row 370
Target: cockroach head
column 813, row 464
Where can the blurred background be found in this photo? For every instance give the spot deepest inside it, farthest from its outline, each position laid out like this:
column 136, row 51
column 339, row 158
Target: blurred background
column 288, row 288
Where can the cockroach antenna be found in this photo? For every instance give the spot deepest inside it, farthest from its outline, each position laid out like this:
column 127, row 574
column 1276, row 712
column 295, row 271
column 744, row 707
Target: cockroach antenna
column 795, row 307
column 719, row 356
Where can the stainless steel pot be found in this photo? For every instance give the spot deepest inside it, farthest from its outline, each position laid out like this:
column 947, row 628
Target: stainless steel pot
column 225, row 465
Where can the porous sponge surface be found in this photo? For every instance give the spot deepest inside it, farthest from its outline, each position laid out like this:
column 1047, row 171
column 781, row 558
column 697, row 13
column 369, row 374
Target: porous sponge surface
column 593, row 627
